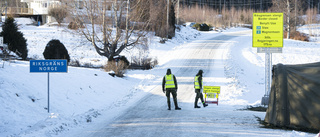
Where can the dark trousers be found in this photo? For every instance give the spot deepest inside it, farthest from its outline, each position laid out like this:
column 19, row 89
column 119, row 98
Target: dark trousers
column 198, row 95
column 174, row 95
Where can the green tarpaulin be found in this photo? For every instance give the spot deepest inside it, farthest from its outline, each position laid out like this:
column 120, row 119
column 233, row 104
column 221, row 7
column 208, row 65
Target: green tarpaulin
column 294, row 99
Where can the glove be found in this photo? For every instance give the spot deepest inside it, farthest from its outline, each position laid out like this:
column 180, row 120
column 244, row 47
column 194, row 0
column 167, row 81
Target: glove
column 164, row 91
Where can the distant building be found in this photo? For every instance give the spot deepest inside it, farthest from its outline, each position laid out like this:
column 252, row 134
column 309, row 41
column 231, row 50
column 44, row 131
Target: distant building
column 38, row 8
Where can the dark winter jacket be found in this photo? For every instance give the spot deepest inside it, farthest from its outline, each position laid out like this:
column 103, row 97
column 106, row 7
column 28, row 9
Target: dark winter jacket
column 164, row 80
column 200, row 77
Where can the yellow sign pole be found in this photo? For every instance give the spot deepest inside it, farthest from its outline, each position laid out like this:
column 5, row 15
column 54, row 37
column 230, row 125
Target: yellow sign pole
column 267, row 33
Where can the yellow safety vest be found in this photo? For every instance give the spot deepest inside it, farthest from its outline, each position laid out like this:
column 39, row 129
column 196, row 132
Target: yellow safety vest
column 196, row 83
column 170, row 81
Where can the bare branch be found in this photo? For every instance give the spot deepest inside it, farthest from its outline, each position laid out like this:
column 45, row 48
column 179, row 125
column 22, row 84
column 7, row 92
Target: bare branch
column 110, row 40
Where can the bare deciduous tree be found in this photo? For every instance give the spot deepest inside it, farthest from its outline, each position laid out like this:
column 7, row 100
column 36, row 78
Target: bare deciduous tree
column 289, row 8
column 59, row 13
column 110, row 32
column 312, row 18
column 162, row 17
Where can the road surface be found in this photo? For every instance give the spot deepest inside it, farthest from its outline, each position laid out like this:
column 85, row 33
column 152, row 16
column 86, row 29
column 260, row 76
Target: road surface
column 150, row 117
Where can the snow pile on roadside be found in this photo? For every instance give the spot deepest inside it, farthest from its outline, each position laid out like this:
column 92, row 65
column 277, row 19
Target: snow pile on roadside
column 76, row 97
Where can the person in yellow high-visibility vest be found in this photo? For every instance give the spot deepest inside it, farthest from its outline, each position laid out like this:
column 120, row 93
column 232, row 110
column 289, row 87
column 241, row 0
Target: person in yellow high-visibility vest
column 169, row 85
column 198, row 85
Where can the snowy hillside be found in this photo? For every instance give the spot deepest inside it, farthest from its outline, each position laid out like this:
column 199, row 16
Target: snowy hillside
column 83, row 96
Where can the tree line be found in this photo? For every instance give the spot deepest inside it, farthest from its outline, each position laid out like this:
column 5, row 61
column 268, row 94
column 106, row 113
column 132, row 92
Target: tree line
column 228, row 16
column 246, row 4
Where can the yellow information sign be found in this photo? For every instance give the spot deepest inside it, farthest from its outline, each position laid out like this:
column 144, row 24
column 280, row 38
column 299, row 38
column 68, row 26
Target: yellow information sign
column 211, row 89
column 267, row 30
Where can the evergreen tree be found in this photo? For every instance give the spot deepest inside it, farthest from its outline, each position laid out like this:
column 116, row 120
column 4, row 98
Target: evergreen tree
column 56, row 50
column 14, row 38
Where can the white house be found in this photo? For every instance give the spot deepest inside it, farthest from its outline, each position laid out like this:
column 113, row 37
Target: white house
column 40, row 8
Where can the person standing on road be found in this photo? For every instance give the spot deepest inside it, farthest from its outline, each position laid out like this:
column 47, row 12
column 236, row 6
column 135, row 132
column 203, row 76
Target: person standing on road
column 198, row 85
column 169, row 85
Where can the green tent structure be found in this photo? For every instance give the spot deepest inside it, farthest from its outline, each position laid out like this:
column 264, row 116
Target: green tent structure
column 294, row 100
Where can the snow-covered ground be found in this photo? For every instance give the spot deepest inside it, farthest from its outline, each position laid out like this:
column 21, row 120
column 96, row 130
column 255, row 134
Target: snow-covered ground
column 81, row 97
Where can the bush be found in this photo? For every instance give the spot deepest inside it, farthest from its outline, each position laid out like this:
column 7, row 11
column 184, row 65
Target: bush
column 75, row 63
column 125, row 60
column 296, row 35
column 14, row 39
column 144, row 63
column 201, row 27
column 74, row 25
column 56, row 50
column 196, row 26
column 119, row 67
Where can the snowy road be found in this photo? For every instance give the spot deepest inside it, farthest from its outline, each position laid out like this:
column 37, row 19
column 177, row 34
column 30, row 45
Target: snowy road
column 150, row 117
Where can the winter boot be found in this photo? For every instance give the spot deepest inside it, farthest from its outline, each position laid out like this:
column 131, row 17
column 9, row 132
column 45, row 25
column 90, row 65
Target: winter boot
column 196, row 105
column 204, row 104
column 176, row 104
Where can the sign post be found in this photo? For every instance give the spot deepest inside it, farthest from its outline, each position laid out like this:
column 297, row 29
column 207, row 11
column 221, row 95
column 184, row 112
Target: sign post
column 47, row 66
column 267, row 36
